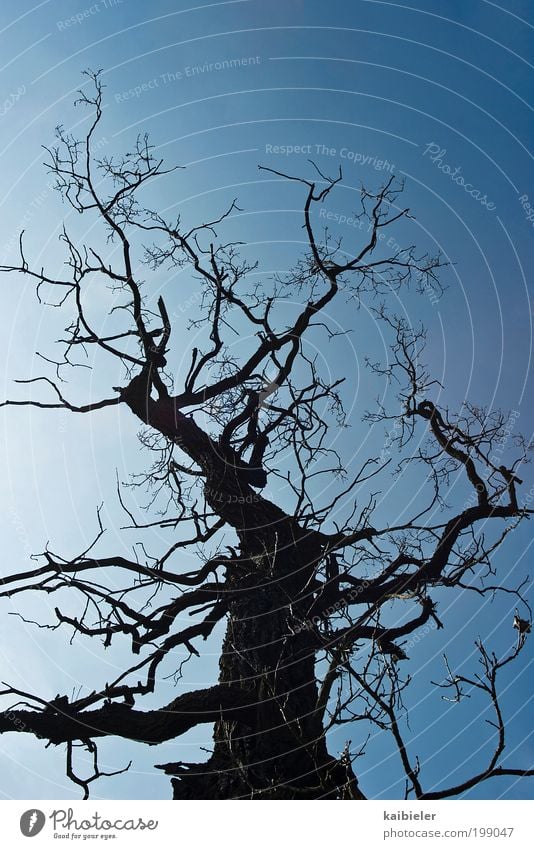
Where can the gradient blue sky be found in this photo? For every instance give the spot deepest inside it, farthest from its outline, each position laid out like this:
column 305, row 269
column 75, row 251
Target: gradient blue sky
column 378, row 81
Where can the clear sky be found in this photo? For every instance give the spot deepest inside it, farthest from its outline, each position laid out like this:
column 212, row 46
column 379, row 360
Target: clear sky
column 424, row 90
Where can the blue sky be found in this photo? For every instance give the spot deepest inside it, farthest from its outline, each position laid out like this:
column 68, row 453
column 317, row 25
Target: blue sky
column 418, row 90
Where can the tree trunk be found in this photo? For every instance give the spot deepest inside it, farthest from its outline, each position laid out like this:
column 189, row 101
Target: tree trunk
column 277, row 750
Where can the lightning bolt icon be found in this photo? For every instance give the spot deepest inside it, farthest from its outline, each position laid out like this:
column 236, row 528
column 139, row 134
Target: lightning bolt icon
column 32, row 821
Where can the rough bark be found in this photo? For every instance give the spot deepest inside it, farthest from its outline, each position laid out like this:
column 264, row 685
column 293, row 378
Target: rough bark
column 277, row 749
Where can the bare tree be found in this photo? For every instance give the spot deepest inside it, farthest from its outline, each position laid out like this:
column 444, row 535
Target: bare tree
column 306, row 600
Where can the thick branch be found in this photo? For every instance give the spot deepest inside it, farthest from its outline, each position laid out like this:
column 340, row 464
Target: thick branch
column 155, row 726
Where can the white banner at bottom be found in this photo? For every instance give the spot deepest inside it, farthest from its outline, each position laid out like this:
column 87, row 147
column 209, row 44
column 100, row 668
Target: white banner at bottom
column 245, row 824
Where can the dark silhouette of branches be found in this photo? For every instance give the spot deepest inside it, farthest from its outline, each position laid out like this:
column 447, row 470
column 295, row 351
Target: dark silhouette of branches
column 320, row 600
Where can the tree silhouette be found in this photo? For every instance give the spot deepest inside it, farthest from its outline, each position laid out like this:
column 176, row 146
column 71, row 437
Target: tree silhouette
column 312, row 606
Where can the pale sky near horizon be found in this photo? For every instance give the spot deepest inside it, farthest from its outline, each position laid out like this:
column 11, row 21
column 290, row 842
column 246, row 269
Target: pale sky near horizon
column 427, row 91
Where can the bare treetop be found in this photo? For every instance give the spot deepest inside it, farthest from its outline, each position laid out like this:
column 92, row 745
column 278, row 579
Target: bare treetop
column 313, row 593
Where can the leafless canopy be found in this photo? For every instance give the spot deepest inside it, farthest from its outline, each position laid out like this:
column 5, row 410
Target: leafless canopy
column 306, row 601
